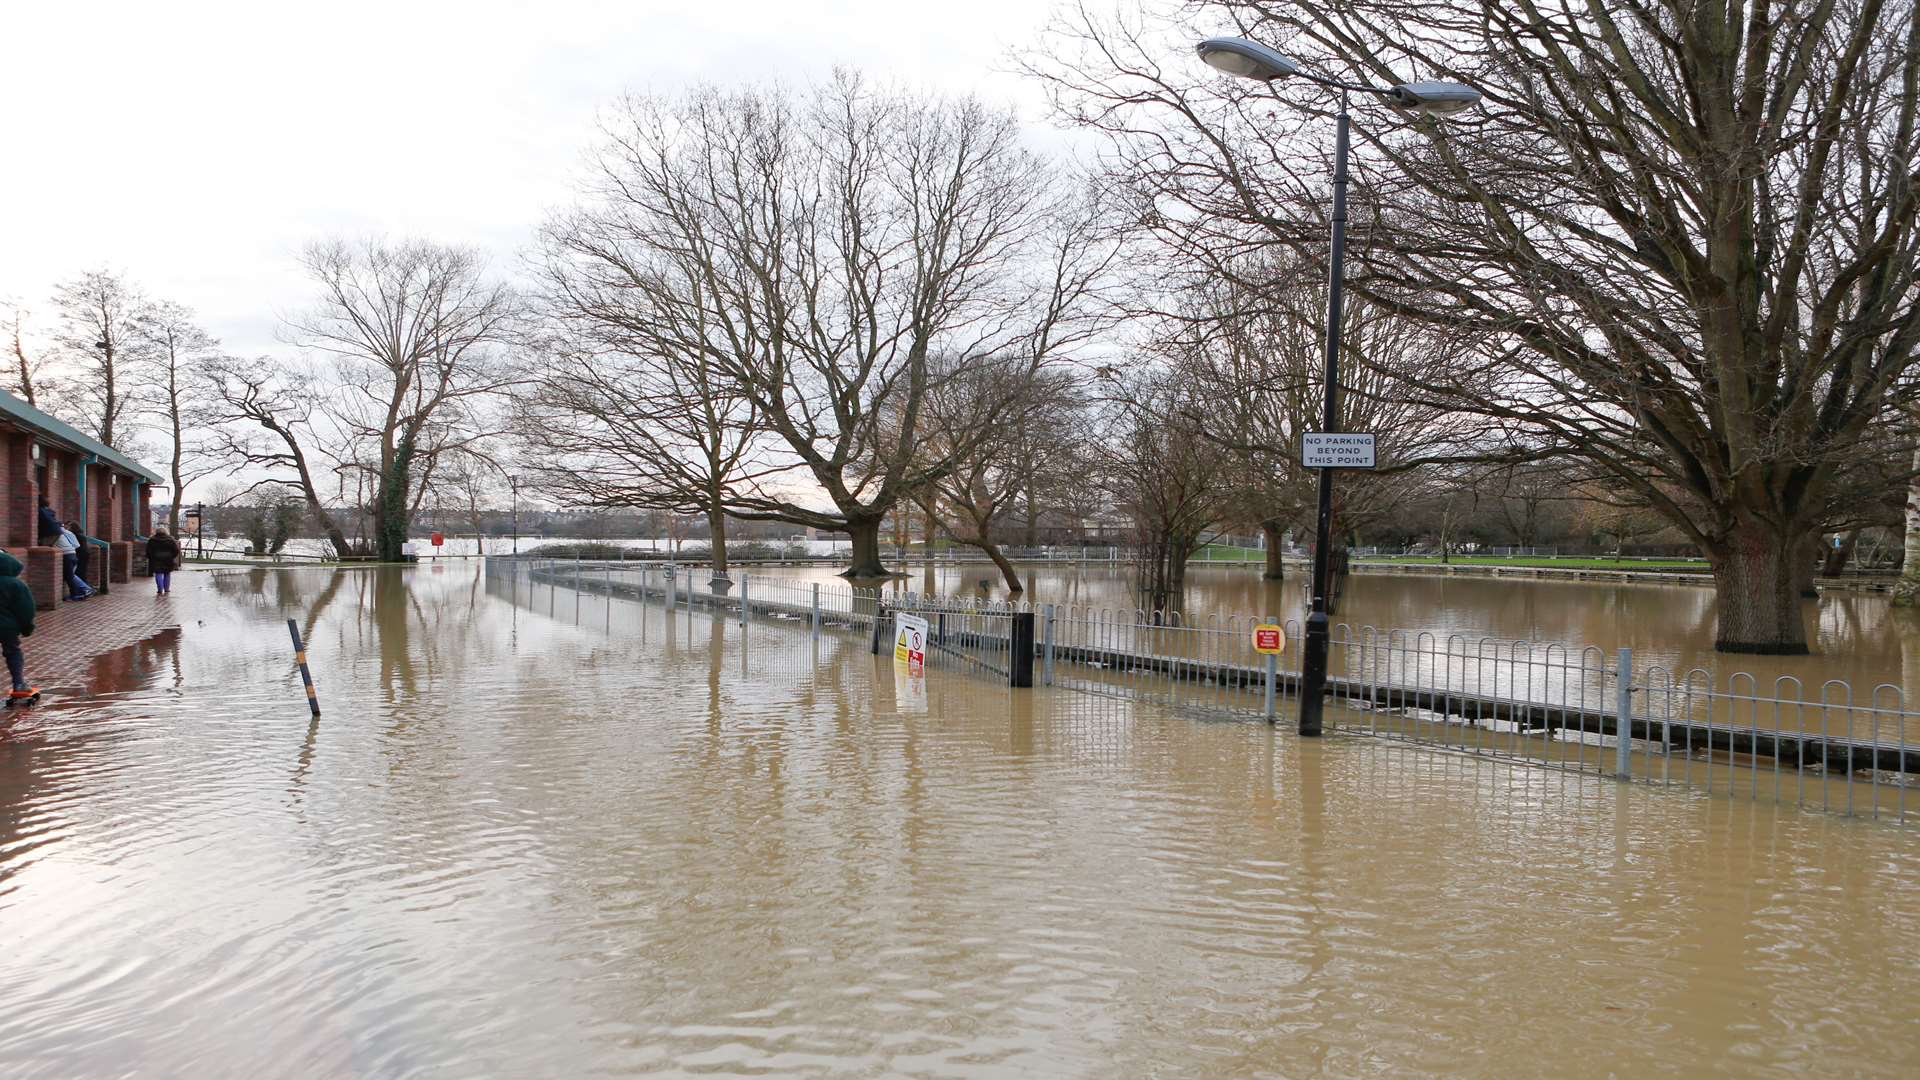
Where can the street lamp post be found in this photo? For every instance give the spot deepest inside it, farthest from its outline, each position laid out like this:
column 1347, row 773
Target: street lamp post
column 514, row 483
column 1251, row 60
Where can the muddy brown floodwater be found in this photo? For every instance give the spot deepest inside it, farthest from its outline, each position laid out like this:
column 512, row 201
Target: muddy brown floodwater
column 573, row 836
column 1856, row 636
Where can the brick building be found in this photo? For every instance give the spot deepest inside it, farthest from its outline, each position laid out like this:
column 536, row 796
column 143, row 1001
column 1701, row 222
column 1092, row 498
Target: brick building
column 107, row 493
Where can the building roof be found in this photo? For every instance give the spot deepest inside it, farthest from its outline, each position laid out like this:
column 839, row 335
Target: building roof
column 56, row 431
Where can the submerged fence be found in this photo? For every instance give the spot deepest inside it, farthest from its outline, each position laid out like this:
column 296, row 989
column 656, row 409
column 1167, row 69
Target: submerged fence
column 1549, row 705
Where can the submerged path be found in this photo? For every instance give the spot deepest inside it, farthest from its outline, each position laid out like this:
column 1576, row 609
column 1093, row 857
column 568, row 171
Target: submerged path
column 82, row 649
column 1825, row 749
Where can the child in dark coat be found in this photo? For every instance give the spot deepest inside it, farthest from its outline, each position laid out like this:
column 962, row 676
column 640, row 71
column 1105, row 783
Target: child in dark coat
column 16, row 622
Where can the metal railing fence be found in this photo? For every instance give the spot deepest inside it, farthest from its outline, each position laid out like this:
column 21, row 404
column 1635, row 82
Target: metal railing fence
column 1533, row 703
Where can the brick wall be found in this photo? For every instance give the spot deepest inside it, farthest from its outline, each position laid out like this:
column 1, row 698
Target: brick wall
column 96, row 574
column 42, row 576
column 100, row 499
column 63, row 477
column 18, row 498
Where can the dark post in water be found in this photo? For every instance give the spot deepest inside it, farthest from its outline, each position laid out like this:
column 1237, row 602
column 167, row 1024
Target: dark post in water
column 1020, row 670
column 300, row 657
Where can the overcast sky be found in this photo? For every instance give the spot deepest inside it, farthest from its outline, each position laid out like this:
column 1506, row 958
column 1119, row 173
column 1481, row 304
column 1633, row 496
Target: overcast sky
column 196, row 145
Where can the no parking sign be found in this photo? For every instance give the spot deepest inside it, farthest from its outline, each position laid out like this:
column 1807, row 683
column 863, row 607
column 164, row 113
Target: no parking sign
column 1269, row 639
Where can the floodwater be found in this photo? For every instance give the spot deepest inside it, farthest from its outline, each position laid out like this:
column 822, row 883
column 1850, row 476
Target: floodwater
column 1857, row 636
column 543, row 833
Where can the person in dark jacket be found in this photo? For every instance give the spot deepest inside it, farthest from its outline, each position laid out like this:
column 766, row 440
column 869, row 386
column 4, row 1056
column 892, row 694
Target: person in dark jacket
column 16, row 622
column 49, row 522
column 163, row 554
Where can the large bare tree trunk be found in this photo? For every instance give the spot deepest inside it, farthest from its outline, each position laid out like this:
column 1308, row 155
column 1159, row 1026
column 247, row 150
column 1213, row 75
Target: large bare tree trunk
column 1276, row 536
column 1807, row 556
column 865, row 533
column 1755, row 573
column 1908, row 588
column 717, row 531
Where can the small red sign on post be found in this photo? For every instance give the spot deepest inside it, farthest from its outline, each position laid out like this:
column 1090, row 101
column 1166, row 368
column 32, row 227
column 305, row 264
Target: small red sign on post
column 439, row 539
column 1269, row 639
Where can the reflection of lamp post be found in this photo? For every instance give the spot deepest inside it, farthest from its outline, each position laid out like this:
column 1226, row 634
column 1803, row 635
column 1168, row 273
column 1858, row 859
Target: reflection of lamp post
column 1252, row 60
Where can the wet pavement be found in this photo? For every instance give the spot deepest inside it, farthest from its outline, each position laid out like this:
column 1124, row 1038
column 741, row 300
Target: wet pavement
column 542, row 833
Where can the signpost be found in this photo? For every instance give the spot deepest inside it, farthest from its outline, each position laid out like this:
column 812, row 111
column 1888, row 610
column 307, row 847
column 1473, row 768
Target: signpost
column 1270, row 640
column 1326, row 451
column 1337, row 450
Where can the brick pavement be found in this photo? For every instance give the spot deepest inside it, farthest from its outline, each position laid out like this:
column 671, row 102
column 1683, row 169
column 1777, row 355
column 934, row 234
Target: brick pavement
column 85, row 647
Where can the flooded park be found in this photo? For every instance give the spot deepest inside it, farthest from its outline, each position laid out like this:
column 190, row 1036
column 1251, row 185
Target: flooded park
column 547, row 831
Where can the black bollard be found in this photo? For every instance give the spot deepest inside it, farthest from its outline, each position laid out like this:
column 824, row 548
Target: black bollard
column 1020, row 670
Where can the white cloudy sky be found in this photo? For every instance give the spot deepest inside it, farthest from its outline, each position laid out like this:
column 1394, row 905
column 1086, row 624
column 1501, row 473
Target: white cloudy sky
column 196, row 145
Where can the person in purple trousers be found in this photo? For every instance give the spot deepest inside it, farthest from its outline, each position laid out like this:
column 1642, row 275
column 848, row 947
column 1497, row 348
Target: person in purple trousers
column 163, row 554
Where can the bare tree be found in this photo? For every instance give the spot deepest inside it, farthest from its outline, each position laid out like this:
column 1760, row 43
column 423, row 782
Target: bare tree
column 1036, row 421
column 464, row 485
column 1251, row 346
column 1165, row 475
column 418, row 331
column 96, row 312
column 171, row 365
column 27, row 374
column 1685, row 232
column 621, row 426
column 262, row 416
column 818, row 250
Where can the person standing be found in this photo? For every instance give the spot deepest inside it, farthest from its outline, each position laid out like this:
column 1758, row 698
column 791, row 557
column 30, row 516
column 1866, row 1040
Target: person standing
column 68, row 546
column 16, row 622
column 163, row 554
column 82, row 551
column 49, row 522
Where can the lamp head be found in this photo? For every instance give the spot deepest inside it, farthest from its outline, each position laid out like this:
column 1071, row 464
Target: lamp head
column 1433, row 98
column 1245, row 59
